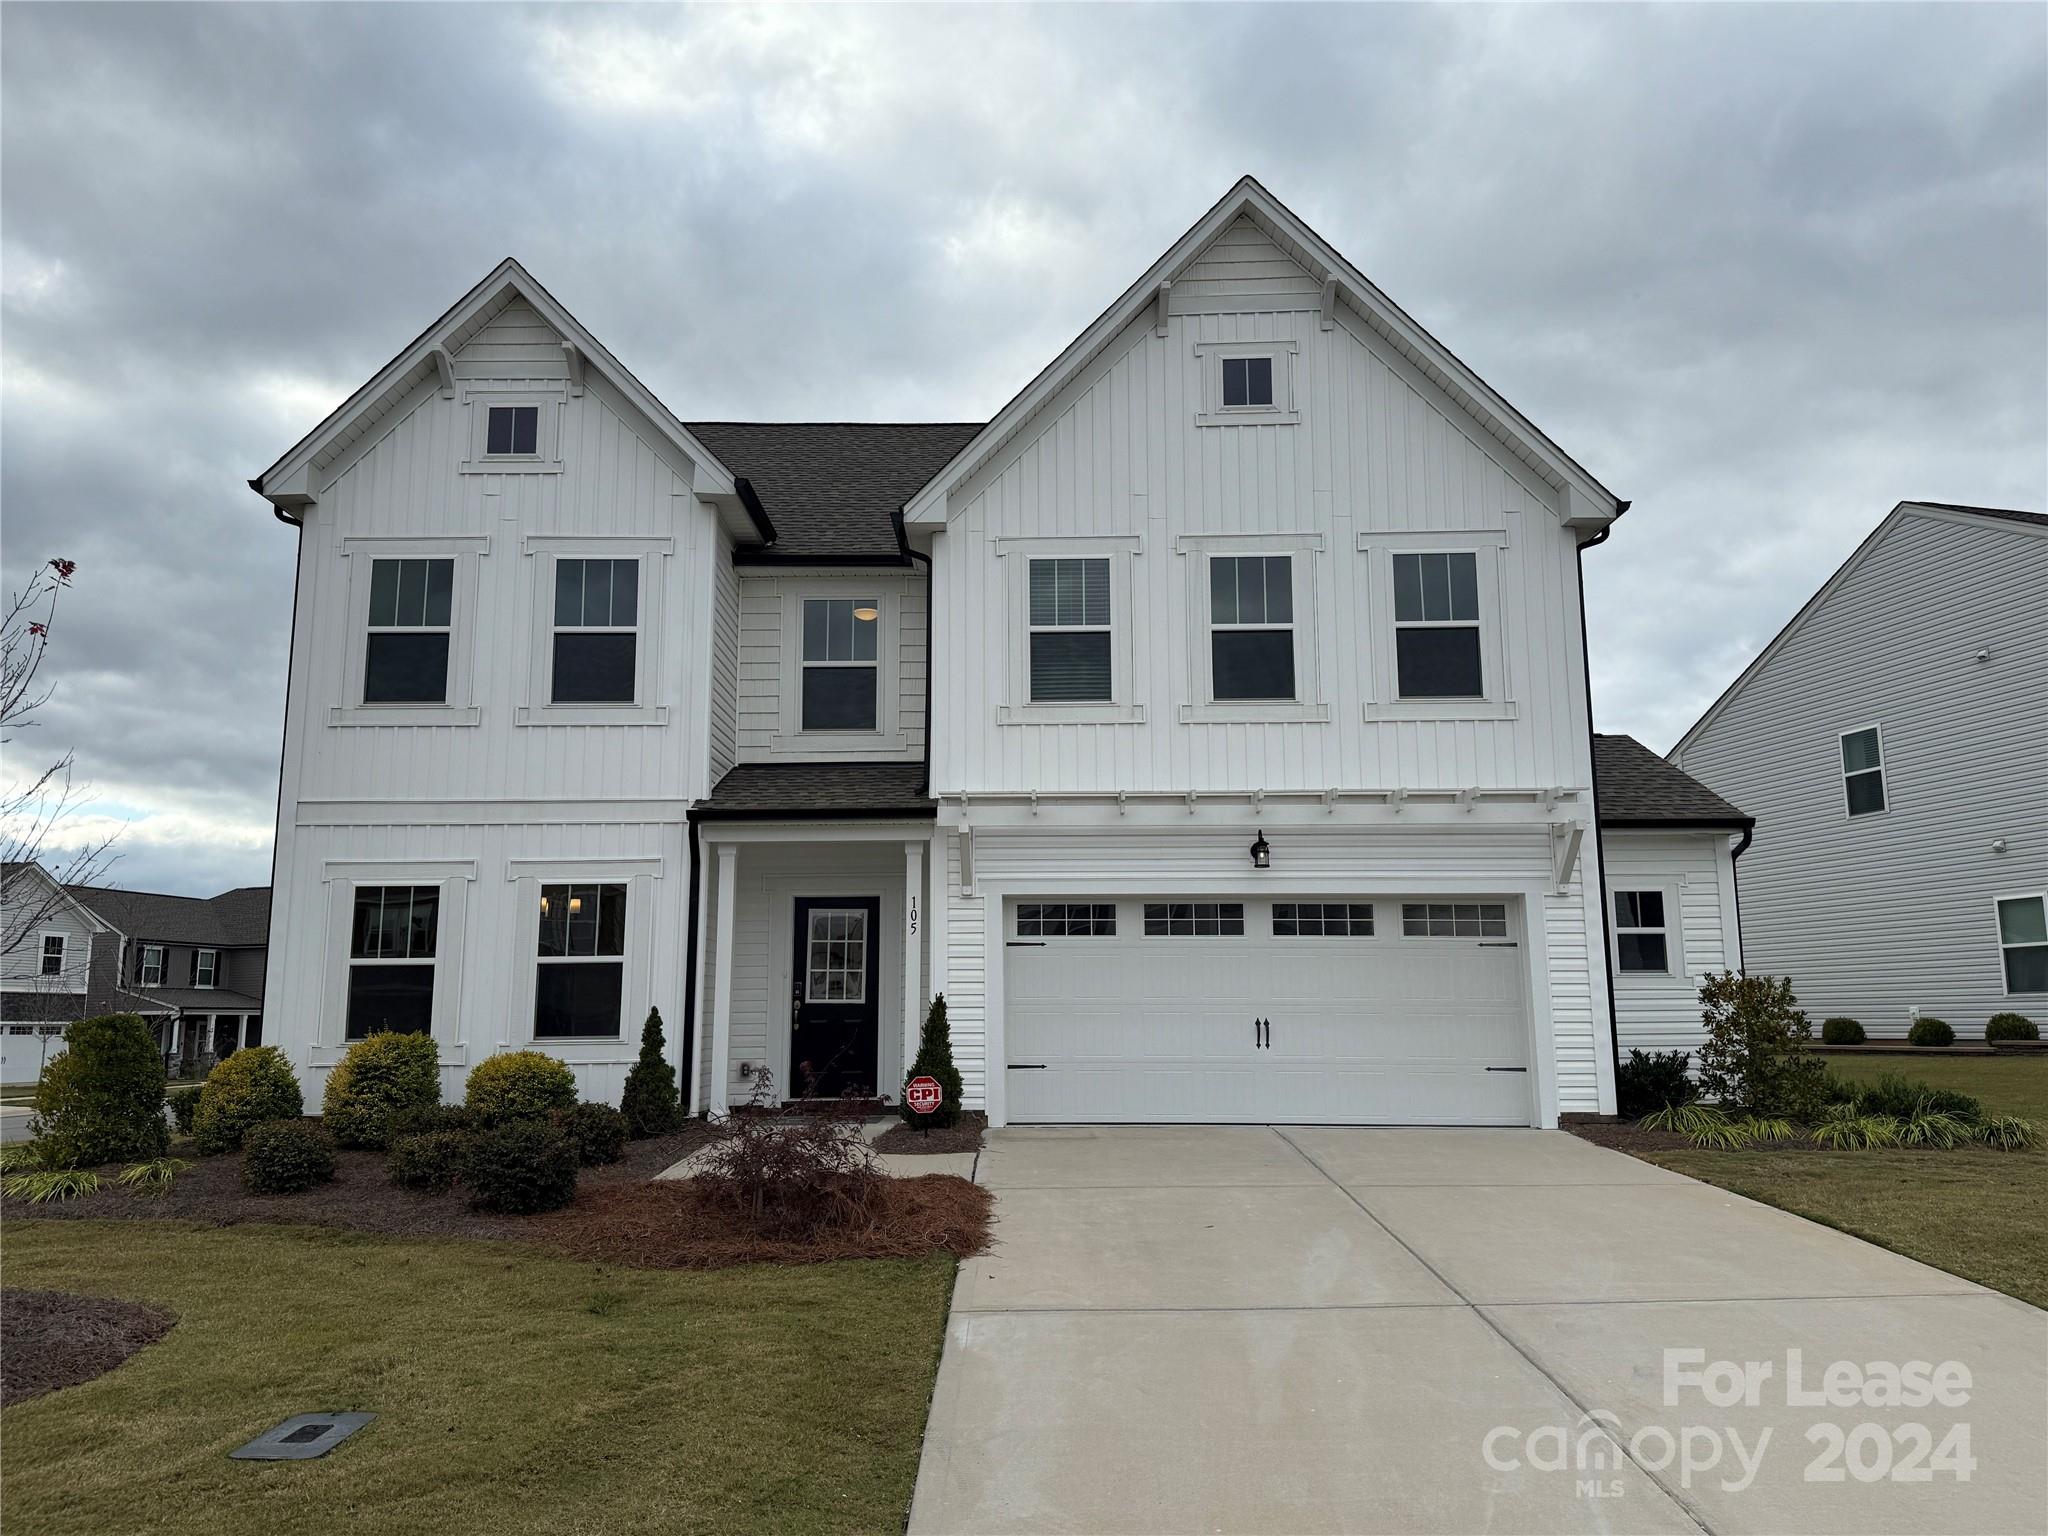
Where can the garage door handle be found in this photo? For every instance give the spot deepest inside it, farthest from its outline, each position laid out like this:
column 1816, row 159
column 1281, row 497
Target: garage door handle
column 1507, row 1069
column 1027, row 1066
column 1024, row 944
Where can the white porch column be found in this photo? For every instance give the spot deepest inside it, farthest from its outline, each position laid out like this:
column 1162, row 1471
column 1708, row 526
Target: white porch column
column 721, row 990
column 700, row 1016
column 913, row 950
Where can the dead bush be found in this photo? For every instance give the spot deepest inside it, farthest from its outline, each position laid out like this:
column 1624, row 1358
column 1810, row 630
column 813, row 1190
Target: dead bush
column 792, row 1178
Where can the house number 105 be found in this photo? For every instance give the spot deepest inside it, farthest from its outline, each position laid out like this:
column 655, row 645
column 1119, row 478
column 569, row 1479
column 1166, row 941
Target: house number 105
column 913, row 914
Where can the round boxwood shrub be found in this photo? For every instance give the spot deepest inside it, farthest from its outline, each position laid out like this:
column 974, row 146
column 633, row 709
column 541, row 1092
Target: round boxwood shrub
column 427, row 1160
column 102, row 1100
column 2011, row 1026
column 1930, row 1032
column 242, row 1090
column 422, row 1118
column 519, row 1166
column 1841, row 1032
column 282, row 1157
column 597, row 1131
column 519, row 1085
column 379, row 1078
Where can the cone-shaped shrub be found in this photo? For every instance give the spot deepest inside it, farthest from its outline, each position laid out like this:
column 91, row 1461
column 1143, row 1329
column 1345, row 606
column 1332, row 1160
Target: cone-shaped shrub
column 649, row 1103
column 935, row 1059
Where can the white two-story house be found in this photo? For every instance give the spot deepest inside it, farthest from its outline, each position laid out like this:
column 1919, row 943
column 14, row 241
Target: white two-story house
column 1211, row 727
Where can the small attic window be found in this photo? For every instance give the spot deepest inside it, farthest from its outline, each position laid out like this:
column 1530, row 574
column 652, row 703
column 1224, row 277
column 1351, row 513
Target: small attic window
column 513, row 429
column 1247, row 383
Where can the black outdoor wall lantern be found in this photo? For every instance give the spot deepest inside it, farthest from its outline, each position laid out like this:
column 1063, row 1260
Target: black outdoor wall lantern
column 1262, row 852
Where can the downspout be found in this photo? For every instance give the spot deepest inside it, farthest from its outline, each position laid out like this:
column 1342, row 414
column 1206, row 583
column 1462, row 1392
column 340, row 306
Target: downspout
column 1735, row 884
column 903, row 544
column 689, row 1040
column 297, row 525
column 1599, row 836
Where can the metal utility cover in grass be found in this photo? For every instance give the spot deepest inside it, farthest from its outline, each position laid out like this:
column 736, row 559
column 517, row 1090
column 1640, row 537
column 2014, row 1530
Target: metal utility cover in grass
column 302, row 1437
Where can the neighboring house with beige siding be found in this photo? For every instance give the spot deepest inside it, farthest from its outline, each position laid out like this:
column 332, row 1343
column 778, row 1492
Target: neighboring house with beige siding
column 1892, row 743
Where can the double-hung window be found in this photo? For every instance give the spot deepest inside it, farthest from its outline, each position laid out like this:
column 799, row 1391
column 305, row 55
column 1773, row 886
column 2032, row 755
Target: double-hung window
column 1642, row 941
column 411, row 603
column 53, row 954
column 149, row 965
column 2023, row 942
column 1070, row 634
column 597, row 631
column 1436, row 626
column 582, row 966
column 840, row 669
column 512, row 430
column 393, row 934
column 1863, row 771
column 1251, row 627
column 205, row 967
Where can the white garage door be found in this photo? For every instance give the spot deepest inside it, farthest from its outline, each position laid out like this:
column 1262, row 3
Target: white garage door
column 1366, row 1010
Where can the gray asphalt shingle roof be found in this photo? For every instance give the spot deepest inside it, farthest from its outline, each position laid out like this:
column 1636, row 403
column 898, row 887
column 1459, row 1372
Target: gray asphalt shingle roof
column 237, row 919
column 832, row 488
column 1636, row 787
column 832, row 789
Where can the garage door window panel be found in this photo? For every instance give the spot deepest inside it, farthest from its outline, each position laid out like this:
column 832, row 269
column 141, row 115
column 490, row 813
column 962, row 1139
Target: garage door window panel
column 1068, row 920
column 1322, row 920
column 1194, row 919
column 1454, row 920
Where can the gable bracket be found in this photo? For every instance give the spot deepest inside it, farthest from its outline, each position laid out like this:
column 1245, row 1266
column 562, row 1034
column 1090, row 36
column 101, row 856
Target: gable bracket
column 573, row 355
column 1565, row 838
column 444, row 370
column 1159, row 303
column 1329, row 304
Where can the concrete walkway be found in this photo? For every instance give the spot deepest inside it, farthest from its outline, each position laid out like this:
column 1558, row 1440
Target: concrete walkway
column 1247, row 1329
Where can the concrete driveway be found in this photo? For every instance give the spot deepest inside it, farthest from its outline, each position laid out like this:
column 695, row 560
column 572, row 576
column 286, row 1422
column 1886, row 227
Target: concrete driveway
column 1302, row 1330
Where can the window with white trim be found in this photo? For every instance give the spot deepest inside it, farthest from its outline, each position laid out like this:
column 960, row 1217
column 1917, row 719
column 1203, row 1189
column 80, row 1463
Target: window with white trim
column 596, row 651
column 1863, row 771
column 1322, row 919
column 1436, row 626
column 1454, row 920
column 53, row 954
column 1251, row 627
column 205, row 967
column 1194, row 919
column 841, row 673
column 512, row 430
column 2023, row 942
column 394, row 932
column 149, row 965
column 1070, row 631
column 411, row 619
column 582, row 968
column 1642, row 940
column 1066, row 919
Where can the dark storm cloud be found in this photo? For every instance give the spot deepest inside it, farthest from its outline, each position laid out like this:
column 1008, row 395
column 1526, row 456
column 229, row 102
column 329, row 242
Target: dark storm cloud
column 1764, row 270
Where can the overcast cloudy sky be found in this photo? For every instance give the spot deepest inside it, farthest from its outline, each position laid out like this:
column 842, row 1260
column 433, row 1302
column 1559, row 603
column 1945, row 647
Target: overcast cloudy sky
column 1765, row 270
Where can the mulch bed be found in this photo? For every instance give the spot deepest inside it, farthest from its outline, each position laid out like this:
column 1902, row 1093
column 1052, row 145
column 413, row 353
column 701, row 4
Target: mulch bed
column 1626, row 1136
column 53, row 1339
column 673, row 1225
column 360, row 1198
column 963, row 1135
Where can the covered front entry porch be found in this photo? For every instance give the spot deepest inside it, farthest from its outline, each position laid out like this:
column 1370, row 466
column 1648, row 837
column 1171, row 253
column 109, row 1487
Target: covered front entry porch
column 812, row 963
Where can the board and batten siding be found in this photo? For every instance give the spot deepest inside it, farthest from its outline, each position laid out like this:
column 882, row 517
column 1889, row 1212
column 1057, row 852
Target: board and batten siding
column 1379, row 458
column 1661, row 1012
column 1877, row 915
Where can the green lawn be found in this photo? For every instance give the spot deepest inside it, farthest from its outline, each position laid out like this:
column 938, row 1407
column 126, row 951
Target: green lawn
column 1979, row 1214
column 515, row 1391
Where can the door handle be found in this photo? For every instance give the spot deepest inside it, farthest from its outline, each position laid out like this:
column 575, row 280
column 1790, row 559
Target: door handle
column 796, row 1004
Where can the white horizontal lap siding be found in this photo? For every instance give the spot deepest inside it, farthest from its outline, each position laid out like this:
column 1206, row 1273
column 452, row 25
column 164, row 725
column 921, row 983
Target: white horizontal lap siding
column 403, row 480
column 1874, row 916
column 1661, row 1012
column 966, row 981
column 725, row 659
column 770, row 682
column 22, row 968
column 1376, row 450
column 488, row 952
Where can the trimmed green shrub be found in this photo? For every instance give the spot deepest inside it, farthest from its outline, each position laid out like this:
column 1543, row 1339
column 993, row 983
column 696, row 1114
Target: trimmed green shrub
column 519, row 1166
column 2011, row 1026
column 420, row 1119
column 242, row 1090
column 519, row 1085
column 379, row 1078
column 935, row 1059
column 427, row 1160
column 102, row 1100
column 184, row 1105
column 283, row 1157
column 1649, row 1081
column 1841, row 1032
column 597, row 1131
column 1755, row 1054
column 1901, row 1098
column 1933, row 1032
column 649, row 1103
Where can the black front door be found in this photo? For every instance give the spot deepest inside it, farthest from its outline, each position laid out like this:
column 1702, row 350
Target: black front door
column 835, row 1007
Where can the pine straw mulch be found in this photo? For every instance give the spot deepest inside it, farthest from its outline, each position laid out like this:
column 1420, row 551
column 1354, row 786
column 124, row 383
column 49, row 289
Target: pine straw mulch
column 672, row 1224
column 361, row 1198
column 1627, row 1136
column 53, row 1339
column 964, row 1135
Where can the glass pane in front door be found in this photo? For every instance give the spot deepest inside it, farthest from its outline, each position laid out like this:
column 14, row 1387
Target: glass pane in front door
column 837, row 956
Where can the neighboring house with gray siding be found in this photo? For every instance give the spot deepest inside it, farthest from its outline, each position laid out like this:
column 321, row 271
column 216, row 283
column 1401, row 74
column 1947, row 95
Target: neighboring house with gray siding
column 1892, row 743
